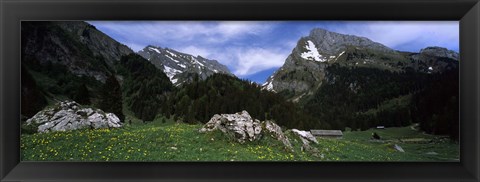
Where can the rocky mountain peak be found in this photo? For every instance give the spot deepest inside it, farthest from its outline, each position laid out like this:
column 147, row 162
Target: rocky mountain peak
column 180, row 67
column 332, row 43
column 440, row 52
column 304, row 68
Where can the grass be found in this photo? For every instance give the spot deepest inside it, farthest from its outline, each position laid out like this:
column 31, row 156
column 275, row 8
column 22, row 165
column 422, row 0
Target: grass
column 169, row 141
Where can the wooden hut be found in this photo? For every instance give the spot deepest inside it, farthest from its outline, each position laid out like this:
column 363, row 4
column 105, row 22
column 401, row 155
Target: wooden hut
column 327, row 133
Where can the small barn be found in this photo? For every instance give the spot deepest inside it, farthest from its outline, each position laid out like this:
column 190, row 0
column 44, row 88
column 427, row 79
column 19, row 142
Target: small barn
column 327, row 133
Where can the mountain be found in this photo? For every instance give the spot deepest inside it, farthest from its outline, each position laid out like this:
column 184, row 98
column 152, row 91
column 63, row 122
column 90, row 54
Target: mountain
column 304, row 69
column 65, row 60
column 74, row 45
column 73, row 60
column 181, row 67
column 349, row 81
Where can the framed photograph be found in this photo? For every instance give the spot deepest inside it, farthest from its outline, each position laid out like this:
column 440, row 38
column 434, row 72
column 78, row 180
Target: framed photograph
column 239, row 90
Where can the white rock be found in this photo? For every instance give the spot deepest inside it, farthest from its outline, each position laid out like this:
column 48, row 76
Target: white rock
column 68, row 115
column 306, row 138
column 398, row 148
column 243, row 128
column 239, row 125
column 277, row 132
column 113, row 121
column 305, row 135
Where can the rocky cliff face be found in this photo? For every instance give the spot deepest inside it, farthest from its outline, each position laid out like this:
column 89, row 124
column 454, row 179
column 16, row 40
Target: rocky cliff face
column 181, row 67
column 331, row 43
column 304, row 69
column 75, row 45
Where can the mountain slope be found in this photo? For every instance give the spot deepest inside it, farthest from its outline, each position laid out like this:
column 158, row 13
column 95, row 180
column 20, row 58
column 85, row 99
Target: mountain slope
column 304, row 69
column 73, row 60
column 67, row 60
column 78, row 46
column 145, row 88
column 181, row 67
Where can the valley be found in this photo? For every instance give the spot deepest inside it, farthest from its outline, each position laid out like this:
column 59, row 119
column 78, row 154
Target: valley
column 87, row 97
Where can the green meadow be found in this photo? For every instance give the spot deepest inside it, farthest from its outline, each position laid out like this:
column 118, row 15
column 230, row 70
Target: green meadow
column 164, row 140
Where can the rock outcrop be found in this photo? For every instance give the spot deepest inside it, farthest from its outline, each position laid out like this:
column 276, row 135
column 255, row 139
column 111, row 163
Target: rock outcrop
column 398, row 148
column 240, row 125
column 306, row 138
column 69, row 115
column 276, row 132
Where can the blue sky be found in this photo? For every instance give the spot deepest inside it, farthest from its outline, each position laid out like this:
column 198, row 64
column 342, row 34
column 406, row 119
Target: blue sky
column 255, row 49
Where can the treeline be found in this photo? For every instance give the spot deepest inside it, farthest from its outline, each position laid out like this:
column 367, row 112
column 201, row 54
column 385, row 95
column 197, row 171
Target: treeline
column 350, row 91
column 436, row 107
column 198, row 101
column 362, row 98
column 145, row 88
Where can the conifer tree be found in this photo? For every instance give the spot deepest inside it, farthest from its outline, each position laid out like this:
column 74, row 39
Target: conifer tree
column 111, row 97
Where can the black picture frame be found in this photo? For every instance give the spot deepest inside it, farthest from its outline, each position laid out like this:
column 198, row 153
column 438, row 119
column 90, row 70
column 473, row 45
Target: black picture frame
column 12, row 12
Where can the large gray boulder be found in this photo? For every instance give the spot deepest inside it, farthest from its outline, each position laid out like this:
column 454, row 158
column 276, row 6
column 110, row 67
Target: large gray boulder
column 243, row 128
column 68, row 115
column 240, row 125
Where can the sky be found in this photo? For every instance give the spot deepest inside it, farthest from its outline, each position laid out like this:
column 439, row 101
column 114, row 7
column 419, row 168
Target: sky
column 253, row 50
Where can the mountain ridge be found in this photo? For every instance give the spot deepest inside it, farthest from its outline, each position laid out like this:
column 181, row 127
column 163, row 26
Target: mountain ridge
column 179, row 66
column 305, row 68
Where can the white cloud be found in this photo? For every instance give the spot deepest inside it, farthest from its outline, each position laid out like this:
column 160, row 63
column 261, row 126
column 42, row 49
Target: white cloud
column 242, row 61
column 161, row 33
column 234, row 28
column 254, row 60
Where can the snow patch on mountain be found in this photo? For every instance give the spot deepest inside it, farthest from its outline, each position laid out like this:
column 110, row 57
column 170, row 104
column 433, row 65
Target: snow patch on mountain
column 270, row 87
column 172, row 59
column 343, row 52
column 154, row 49
column 312, row 52
column 171, row 72
column 171, row 53
column 175, row 64
column 174, row 81
column 195, row 61
column 182, row 65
